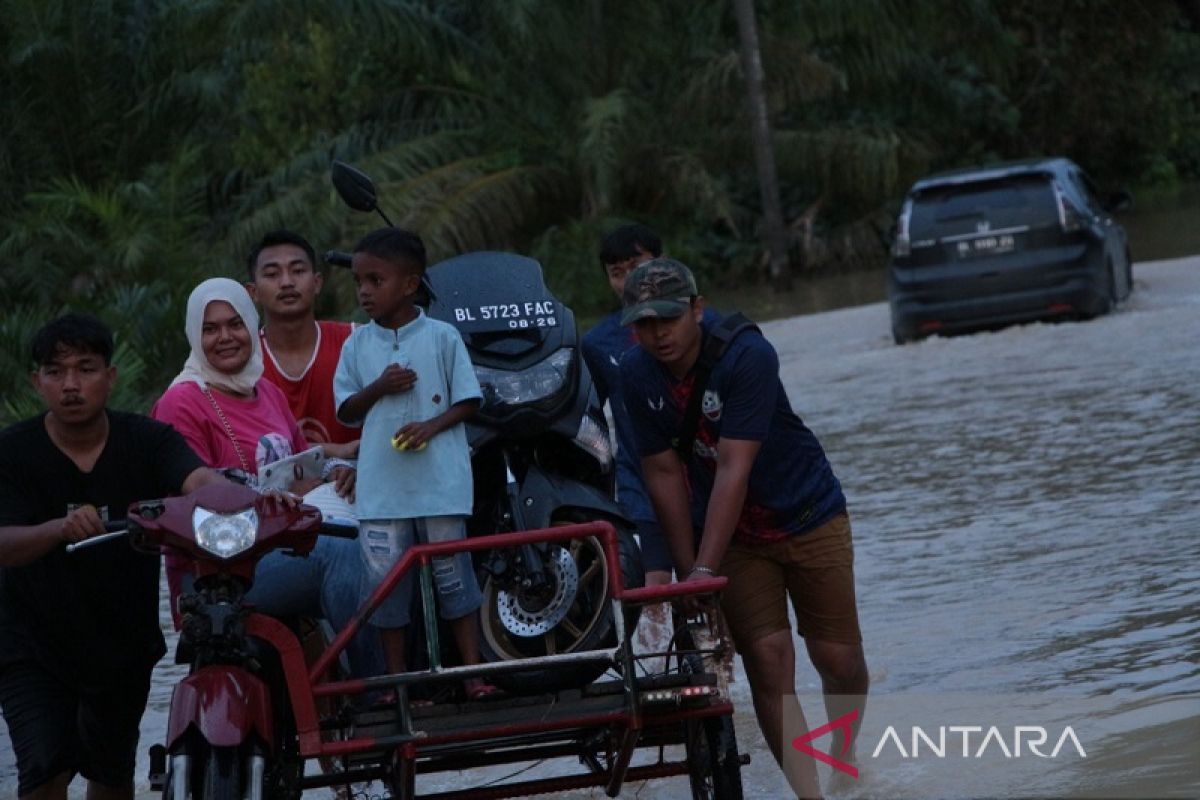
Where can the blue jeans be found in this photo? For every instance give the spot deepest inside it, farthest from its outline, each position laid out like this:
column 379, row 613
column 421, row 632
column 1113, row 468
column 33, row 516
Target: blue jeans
column 326, row 584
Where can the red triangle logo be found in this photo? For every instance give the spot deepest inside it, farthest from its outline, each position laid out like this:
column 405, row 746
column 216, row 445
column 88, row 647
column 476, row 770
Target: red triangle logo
column 843, row 722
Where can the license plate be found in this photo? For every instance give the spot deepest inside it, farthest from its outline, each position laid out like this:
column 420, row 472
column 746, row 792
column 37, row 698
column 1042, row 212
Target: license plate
column 987, row 246
column 515, row 316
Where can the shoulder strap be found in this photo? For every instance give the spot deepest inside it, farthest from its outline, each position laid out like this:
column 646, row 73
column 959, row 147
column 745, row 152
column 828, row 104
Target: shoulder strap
column 714, row 346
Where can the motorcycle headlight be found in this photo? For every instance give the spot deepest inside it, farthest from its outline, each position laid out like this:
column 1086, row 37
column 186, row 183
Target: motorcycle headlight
column 593, row 438
column 225, row 535
column 543, row 380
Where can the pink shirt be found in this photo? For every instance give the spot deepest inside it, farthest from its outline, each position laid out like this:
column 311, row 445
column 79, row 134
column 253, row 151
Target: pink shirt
column 264, row 426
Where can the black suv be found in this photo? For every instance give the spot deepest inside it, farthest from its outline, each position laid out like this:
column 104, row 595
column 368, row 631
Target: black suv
column 1014, row 242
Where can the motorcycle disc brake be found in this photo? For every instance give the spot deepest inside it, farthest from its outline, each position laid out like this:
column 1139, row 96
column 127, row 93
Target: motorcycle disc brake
column 523, row 614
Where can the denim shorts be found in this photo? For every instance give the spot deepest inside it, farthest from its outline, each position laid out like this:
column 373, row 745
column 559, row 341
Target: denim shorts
column 383, row 542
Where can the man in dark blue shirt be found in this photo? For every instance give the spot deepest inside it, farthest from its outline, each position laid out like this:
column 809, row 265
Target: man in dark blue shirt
column 758, row 487
column 621, row 251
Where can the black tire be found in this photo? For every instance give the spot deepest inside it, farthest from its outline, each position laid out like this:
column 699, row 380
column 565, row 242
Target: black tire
column 587, row 624
column 222, row 774
column 1128, row 275
column 1107, row 291
column 714, row 765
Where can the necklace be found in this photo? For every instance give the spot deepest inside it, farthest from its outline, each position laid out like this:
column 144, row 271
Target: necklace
column 237, row 447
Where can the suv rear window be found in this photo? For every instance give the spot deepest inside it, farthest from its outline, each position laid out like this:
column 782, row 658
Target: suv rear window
column 1021, row 201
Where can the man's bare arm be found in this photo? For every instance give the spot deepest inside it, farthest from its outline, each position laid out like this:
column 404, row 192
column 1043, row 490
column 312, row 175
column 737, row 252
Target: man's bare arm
column 22, row 544
column 735, row 458
column 346, row 450
column 201, row 476
column 666, row 484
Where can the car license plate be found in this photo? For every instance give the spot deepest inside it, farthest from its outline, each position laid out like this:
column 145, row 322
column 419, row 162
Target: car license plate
column 987, row 246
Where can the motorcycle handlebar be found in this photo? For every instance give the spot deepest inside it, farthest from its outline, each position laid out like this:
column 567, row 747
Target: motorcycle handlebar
column 115, row 530
column 337, row 258
column 343, row 529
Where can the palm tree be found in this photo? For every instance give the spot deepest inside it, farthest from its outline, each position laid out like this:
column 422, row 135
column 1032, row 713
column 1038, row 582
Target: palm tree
column 764, row 150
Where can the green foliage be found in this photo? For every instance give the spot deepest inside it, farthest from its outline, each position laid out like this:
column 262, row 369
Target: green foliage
column 149, row 143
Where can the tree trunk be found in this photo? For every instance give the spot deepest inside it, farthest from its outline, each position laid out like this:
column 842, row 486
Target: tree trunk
column 764, row 153
column 1191, row 10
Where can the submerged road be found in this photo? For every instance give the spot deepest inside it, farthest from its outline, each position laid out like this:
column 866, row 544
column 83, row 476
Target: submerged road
column 1025, row 508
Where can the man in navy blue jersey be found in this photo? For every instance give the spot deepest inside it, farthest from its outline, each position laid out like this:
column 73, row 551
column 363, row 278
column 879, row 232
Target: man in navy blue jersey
column 757, row 488
column 621, row 251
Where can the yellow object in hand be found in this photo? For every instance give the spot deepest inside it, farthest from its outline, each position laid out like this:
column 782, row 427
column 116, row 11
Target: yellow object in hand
column 401, row 443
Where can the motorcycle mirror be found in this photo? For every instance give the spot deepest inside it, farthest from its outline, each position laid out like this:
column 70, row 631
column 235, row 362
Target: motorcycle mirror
column 337, row 258
column 355, row 188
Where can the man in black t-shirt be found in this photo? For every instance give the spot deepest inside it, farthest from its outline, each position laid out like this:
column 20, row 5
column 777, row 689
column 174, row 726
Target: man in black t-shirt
column 79, row 633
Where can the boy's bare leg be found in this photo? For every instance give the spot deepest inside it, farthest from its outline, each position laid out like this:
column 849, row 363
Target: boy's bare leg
column 466, row 636
column 393, row 649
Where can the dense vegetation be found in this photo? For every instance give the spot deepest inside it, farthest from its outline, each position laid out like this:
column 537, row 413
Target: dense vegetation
column 147, row 143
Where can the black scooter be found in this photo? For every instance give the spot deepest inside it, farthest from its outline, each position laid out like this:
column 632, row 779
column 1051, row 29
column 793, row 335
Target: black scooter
column 540, row 454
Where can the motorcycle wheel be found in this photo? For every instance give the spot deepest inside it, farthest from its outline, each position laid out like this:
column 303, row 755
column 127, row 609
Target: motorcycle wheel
column 577, row 615
column 217, row 774
column 222, row 774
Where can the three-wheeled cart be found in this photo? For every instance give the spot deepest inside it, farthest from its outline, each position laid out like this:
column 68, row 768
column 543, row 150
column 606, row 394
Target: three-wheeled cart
column 671, row 708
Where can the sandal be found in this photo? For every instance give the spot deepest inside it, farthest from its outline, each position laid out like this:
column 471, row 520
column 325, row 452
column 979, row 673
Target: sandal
column 482, row 690
column 388, row 700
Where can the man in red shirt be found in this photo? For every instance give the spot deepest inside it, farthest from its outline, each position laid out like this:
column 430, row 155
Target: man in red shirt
column 300, row 353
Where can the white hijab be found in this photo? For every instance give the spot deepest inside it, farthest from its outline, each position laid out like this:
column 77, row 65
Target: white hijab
column 197, row 368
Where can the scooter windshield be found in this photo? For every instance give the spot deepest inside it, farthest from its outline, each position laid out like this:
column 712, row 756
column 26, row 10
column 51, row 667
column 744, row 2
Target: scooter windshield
column 493, row 293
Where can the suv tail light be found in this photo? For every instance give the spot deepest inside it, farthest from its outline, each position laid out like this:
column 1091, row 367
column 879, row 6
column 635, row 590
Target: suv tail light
column 1068, row 216
column 902, row 244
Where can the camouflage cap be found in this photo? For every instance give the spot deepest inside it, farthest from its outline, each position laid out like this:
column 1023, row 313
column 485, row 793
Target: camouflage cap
column 660, row 287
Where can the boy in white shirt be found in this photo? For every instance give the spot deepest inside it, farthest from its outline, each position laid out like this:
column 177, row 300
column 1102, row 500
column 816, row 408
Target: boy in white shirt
column 407, row 377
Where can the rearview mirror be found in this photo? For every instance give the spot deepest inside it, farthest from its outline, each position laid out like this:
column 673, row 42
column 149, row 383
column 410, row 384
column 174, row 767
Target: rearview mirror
column 355, row 188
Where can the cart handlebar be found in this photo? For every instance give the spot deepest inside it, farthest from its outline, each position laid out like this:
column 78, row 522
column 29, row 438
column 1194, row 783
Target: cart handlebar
column 671, row 591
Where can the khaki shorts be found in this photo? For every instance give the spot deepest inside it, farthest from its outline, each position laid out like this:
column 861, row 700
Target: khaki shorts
column 815, row 569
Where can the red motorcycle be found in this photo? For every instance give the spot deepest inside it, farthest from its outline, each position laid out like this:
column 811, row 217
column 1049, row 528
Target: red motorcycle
column 252, row 712
column 232, row 730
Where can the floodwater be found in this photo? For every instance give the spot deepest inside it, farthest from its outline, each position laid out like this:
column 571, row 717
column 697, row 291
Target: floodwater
column 1028, row 549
